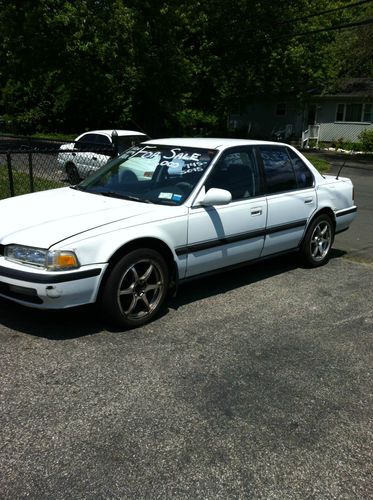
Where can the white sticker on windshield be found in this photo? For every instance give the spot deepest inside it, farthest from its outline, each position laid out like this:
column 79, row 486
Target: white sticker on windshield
column 166, row 196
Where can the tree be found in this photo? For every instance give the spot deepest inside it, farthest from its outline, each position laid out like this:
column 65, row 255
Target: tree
column 173, row 67
column 67, row 65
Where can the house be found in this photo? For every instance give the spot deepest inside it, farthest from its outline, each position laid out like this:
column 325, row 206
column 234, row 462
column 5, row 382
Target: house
column 338, row 116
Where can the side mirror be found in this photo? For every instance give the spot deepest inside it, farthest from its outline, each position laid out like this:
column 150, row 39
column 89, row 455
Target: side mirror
column 215, row 196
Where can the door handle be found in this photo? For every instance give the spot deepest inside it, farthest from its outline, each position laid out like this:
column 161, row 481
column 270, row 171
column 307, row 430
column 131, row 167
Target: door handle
column 308, row 200
column 256, row 211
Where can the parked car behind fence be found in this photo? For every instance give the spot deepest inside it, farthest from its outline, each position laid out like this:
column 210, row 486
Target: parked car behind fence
column 92, row 150
column 30, row 164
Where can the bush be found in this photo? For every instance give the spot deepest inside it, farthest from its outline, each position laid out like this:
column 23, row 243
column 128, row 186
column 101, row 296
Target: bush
column 366, row 138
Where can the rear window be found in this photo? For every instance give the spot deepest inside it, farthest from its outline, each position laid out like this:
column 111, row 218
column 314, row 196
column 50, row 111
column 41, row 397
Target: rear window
column 302, row 173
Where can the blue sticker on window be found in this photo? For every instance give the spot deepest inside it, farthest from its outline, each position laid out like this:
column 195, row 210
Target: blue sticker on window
column 176, row 197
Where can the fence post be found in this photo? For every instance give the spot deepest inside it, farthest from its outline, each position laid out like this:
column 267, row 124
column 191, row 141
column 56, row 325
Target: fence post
column 114, row 139
column 31, row 172
column 10, row 174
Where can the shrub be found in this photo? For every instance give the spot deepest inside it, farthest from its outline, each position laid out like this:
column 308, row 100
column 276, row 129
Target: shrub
column 366, row 138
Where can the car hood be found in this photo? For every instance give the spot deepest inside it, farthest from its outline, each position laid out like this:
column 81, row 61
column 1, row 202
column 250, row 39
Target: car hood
column 45, row 218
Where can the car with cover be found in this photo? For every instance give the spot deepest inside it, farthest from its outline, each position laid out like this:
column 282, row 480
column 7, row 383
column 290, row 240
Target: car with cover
column 167, row 211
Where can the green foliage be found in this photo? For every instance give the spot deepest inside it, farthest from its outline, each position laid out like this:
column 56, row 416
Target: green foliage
column 172, row 67
column 351, row 50
column 323, row 166
column 55, row 135
column 366, row 138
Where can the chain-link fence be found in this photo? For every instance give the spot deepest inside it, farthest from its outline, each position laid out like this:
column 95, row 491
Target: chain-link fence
column 28, row 165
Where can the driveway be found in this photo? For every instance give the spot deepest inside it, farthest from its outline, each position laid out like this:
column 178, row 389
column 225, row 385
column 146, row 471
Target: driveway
column 255, row 384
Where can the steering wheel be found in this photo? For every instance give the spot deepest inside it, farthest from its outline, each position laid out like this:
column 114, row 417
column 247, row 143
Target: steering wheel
column 128, row 176
column 185, row 187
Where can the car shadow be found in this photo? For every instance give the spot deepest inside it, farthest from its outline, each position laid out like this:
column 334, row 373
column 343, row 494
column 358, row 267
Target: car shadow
column 225, row 281
column 84, row 321
column 55, row 324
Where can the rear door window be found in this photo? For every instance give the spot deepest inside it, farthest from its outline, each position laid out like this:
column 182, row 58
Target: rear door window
column 278, row 169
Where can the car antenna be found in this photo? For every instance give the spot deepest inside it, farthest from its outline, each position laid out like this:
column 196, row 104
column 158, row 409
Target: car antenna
column 340, row 170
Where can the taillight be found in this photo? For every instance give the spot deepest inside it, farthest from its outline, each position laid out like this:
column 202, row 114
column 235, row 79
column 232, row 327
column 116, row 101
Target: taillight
column 353, row 194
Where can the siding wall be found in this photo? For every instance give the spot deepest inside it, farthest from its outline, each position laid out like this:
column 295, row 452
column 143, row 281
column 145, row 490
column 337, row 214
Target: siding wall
column 259, row 119
column 330, row 130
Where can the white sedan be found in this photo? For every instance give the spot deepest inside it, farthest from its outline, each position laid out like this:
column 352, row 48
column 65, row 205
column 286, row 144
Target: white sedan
column 164, row 212
column 91, row 150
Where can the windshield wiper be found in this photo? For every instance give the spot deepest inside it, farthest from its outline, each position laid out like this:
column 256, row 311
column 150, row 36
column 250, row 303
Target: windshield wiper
column 77, row 188
column 114, row 194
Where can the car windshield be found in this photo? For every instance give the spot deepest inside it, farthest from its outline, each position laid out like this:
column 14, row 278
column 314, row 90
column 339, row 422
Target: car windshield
column 165, row 175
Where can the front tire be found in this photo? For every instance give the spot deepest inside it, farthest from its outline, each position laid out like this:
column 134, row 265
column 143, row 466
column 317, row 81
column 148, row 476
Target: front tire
column 318, row 241
column 136, row 288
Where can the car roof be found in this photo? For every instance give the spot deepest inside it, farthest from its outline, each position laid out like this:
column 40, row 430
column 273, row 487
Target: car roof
column 208, row 143
column 120, row 132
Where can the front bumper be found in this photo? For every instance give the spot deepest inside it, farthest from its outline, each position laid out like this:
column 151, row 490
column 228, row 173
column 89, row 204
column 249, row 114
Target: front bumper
column 50, row 290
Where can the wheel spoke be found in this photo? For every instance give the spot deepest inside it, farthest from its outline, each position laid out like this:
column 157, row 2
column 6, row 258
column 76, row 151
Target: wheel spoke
column 315, row 251
column 133, row 304
column 135, row 274
column 144, row 299
column 127, row 291
column 155, row 286
column 147, row 273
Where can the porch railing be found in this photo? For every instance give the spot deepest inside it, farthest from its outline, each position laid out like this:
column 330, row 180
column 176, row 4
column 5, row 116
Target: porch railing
column 313, row 132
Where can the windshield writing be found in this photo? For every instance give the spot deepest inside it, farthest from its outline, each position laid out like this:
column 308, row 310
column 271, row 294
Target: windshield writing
column 156, row 174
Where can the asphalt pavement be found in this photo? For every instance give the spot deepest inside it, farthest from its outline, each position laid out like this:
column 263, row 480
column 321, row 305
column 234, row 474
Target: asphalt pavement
column 254, row 384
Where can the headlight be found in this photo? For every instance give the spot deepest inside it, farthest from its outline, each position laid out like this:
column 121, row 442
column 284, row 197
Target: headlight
column 39, row 257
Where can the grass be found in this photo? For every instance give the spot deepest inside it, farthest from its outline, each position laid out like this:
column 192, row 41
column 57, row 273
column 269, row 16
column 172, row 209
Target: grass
column 22, row 183
column 60, row 137
column 323, row 166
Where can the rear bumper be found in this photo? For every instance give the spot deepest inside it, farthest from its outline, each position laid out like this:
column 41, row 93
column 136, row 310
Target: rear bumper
column 343, row 218
column 47, row 290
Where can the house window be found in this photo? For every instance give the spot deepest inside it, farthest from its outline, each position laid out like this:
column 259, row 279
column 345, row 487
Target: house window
column 354, row 112
column 368, row 113
column 281, row 109
column 340, row 112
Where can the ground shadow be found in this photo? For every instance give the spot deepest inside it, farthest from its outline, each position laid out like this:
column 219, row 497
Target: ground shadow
column 226, row 281
column 54, row 325
column 87, row 320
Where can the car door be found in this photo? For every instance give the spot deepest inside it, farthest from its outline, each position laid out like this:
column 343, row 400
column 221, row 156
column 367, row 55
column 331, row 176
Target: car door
column 83, row 154
column 291, row 198
column 89, row 153
column 221, row 236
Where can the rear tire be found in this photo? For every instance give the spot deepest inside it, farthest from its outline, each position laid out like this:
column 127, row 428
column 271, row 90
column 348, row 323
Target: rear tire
column 318, row 241
column 136, row 288
column 72, row 174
